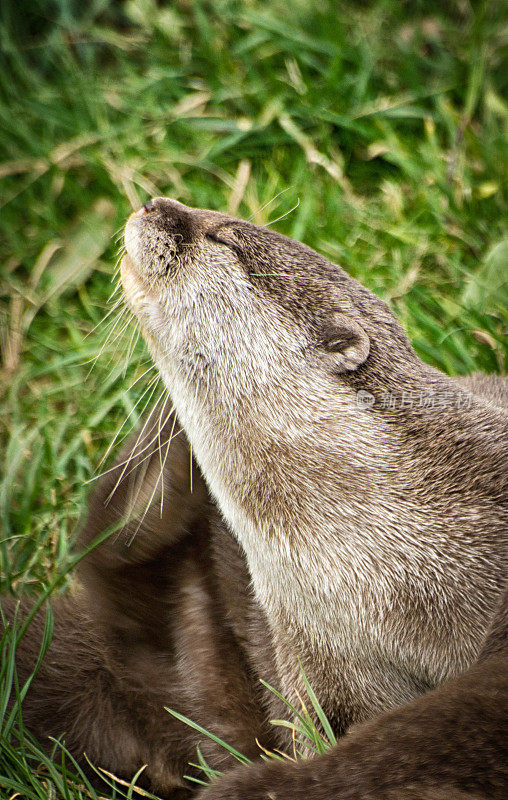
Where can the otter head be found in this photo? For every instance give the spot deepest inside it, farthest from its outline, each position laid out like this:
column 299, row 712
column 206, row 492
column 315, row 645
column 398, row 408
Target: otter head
column 252, row 326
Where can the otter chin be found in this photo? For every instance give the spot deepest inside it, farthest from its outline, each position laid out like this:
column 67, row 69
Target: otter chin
column 131, row 279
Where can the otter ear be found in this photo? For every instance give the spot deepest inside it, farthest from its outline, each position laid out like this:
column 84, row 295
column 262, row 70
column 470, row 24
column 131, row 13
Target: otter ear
column 345, row 343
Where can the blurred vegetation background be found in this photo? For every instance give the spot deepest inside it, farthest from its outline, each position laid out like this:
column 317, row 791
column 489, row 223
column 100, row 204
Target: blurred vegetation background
column 384, row 123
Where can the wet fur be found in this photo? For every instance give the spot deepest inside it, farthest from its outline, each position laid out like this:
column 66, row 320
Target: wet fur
column 181, row 615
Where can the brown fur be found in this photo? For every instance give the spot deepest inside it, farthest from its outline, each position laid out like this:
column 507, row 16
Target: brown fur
column 450, row 743
column 151, row 624
column 167, row 613
column 375, row 538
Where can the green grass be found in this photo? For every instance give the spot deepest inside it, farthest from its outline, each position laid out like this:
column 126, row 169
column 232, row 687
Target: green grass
column 385, row 122
column 311, row 734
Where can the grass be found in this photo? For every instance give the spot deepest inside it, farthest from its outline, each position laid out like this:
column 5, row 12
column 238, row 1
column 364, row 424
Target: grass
column 382, row 125
column 311, row 733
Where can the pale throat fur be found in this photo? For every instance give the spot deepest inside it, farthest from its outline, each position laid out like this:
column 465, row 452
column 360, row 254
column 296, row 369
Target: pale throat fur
column 337, row 533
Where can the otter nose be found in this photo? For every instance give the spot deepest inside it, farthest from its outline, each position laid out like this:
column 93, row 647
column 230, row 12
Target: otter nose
column 163, row 215
column 145, row 209
column 166, row 205
column 174, row 216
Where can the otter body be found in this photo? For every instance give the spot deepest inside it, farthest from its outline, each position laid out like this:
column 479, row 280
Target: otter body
column 449, row 744
column 371, row 536
column 366, row 532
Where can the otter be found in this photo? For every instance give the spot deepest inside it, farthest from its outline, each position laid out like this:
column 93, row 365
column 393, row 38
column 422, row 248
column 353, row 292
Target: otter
column 449, row 744
column 347, row 511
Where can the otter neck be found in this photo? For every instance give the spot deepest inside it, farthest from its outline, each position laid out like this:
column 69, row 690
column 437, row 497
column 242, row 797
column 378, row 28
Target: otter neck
column 328, row 514
column 279, row 475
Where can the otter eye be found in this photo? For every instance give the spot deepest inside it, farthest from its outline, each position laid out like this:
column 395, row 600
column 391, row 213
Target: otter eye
column 219, row 240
